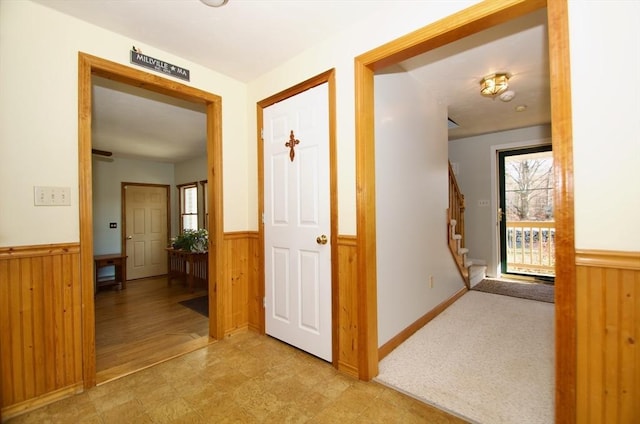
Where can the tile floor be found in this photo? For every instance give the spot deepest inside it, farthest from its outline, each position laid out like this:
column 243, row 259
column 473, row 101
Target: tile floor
column 246, row 378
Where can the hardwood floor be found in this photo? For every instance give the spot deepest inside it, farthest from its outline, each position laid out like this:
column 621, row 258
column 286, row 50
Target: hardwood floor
column 143, row 325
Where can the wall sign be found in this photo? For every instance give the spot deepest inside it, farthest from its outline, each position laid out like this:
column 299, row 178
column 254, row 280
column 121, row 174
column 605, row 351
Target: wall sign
column 158, row 65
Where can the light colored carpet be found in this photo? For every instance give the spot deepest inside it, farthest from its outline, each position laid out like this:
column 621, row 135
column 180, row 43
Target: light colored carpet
column 487, row 358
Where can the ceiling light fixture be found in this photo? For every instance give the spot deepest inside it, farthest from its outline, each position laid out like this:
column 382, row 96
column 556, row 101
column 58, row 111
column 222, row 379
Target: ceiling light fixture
column 215, row 3
column 492, row 85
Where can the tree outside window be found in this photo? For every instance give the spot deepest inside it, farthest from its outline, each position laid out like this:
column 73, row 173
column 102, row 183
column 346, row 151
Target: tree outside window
column 529, row 187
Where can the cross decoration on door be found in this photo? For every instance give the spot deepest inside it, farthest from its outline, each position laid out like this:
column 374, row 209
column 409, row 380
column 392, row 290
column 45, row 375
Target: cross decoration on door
column 291, row 144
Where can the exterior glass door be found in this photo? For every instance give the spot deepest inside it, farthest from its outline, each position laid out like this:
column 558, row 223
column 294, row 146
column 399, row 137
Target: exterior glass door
column 527, row 225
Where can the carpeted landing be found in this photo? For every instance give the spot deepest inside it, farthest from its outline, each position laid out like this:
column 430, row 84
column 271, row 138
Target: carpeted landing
column 487, row 358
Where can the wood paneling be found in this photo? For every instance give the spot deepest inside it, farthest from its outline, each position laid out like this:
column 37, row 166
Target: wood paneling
column 40, row 323
column 608, row 327
column 347, row 310
column 234, row 288
column 255, row 283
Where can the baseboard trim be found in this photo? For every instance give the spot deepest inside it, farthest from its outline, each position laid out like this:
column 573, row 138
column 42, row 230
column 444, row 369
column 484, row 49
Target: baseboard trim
column 348, row 369
column 401, row 337
column 20, row 408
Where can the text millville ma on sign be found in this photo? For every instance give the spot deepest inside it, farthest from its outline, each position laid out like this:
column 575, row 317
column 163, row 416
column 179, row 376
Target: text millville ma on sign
column 158, row 65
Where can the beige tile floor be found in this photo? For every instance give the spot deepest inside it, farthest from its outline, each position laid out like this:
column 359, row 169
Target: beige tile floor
column 247, row 378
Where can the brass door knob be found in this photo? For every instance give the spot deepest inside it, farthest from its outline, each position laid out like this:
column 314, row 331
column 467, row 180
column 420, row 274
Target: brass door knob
column 321, row 239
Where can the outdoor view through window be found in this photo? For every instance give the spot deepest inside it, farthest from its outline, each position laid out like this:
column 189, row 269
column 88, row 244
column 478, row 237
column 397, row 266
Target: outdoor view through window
column 528, row 225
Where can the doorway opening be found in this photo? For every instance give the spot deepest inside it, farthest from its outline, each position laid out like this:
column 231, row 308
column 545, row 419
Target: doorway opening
column 455, row 27
column 526, row 213
column 90, row 66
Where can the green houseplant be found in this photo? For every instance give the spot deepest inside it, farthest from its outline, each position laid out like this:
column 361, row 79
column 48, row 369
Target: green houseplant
column 192, row 241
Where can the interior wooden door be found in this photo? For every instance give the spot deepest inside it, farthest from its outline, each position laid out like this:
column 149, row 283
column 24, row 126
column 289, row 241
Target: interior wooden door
column 145, row 230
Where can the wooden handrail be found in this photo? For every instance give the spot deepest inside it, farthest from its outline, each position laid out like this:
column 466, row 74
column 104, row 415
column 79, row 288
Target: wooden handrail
column 456, row 205
column 456, row 212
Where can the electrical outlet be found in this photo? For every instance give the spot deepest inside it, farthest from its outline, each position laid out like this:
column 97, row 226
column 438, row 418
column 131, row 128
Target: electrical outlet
column 483, row 203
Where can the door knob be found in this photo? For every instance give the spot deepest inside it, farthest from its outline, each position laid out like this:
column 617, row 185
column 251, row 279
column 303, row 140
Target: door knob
column 321, row 239
column 129, row 237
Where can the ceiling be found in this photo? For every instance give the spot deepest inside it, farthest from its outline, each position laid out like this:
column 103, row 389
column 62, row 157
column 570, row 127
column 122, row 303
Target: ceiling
column 127, row 120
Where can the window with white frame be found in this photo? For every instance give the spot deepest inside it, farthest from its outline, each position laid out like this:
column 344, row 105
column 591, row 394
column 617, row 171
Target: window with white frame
column 188, row 198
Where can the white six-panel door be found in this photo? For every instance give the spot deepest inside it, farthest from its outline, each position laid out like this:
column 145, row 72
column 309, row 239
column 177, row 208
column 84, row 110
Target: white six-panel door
column 297, row 221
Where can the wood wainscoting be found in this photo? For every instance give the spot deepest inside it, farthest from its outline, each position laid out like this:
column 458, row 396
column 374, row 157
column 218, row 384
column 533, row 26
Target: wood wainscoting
column 240, row 273
column 40, row 325
column 346, row 312
column 608, row 336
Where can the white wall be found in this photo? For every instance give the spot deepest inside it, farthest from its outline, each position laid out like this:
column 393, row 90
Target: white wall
column 338, row 52
column 411, row 202
column 605, row 44
column 107, row 197
column 477, row 178
column 39, row 119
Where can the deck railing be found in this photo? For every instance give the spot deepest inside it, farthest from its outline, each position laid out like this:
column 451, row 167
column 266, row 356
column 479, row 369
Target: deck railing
column 531, row 247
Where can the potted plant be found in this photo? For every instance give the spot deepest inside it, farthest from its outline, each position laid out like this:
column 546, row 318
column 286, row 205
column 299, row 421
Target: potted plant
column 192, row 241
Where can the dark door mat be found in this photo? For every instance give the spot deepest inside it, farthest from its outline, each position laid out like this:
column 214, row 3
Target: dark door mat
column 198, row 304
column 533, row 291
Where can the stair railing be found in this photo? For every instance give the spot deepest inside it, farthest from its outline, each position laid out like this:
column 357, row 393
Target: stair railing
column 456, row 204
column 455, row 227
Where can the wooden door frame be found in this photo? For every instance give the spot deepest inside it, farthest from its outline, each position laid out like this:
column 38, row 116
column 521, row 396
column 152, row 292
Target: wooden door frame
column 328, row 77
column 89, row 65
column 457, row 26
column 123, row 211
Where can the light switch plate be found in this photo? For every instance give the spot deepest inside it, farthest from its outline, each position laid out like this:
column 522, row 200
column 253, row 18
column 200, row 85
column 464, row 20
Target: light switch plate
column 51, row 196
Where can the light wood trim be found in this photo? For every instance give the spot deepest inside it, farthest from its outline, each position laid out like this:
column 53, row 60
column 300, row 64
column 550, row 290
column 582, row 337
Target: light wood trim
column 402, row 336
column 89, row 65
column 85, row 205
column 40, row 401
column 328, row 77
column 449, row 29
column 38, row 250
column 608, row 259
column 366, row 221
column 469, row 21
column 565, row 279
